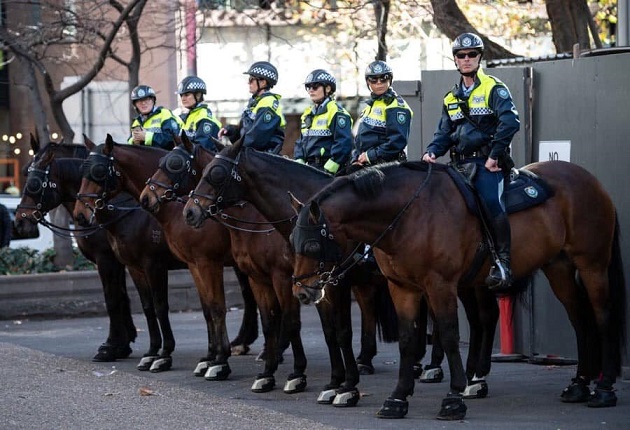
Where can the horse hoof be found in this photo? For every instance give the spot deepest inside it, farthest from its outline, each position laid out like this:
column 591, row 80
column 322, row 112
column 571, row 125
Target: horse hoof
column 432, row 375
column 453, row 408
column 295, row 384
column 326, row 397
column 146, row 362
column 577, row 392
column 263, row 384
column 347, row 399
column 602, row 399
column 202, row 368
column 393, row 408
column 476, row 390
column 365, row 369
column 239, row 349
column 122, row 351
column 218, row 372
column 161, row 364
column 106, row 353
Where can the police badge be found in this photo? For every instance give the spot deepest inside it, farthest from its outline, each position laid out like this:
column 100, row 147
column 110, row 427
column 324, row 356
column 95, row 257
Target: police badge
column 401, row 117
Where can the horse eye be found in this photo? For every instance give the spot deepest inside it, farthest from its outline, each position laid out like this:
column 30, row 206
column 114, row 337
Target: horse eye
column 218, row 175
column 98, row 172
column 175, row 164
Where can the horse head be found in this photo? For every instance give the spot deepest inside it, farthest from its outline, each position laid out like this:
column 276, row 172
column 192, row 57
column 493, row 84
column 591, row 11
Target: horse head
column 218, row 188
column 101, row 181
column 178, row 172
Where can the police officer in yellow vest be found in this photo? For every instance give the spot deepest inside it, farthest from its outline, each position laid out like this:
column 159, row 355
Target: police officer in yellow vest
column 384, row 123
column 326, row 133
column 154, row 125
column 200, row 125
column 478, row 123
column 262, row 123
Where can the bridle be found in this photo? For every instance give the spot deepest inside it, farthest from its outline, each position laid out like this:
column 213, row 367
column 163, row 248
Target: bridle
column 178, row 167
column 37, row 185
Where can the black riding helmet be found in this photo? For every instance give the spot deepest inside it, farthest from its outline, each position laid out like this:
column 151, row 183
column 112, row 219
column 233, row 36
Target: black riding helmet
column 321, row 76
column 192, row 84
column 264, row 70
column 468, row 41
column 379, row 68
column 142, row 92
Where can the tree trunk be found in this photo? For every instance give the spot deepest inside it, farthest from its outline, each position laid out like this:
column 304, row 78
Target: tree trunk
column 39, row 113
column 381, row 13
column 63, row 245
column 450, row 20
column 569, row 24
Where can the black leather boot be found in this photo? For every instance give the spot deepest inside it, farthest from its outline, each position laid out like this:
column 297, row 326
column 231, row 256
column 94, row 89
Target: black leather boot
column 500, row 278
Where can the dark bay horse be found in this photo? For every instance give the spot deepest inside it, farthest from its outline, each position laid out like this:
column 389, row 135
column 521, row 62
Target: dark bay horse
column 369, row 287
column 35, row 203
column 426, row 238
column 111, row 168
column 51, row 182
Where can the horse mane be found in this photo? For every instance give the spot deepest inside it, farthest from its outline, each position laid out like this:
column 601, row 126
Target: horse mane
column 288, row 165
column 68, row 168
column 368, row 182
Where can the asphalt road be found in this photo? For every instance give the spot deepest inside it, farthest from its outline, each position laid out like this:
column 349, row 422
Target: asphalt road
column 50, row 382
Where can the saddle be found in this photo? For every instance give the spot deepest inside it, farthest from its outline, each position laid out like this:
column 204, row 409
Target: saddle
column 524, row 190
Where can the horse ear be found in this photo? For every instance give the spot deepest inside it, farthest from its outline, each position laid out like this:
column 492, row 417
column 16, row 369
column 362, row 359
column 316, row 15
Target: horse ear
column 297, row 205
column 35, row 144
column 220, row 146
column 47, row 158
column 314, row 212
column 185, row 141
column 109, row 144
column 88, row 142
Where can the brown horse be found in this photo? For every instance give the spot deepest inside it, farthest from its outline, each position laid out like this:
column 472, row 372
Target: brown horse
column 51, row 182
column 111, row 168
column 37, row 200
column 369, row 287
column 426, row 238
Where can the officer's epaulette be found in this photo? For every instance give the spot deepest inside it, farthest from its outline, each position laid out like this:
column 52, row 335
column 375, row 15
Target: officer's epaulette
column 401, row 101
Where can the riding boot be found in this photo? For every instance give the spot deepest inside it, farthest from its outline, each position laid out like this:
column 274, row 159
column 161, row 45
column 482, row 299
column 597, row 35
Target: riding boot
column 500, row 278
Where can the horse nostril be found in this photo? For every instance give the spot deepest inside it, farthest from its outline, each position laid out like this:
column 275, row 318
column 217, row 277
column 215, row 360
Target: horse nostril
column 303, row 298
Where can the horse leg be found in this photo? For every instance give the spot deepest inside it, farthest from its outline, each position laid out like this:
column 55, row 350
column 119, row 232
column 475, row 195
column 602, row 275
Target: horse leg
column 290, row 330
column 155, row 337
column 326, row 312
column 432, row 372
column 271, row 318
column 158, row 279
column 204, row 362
column 210, row 272
column 407, row 302
column 248, row 332
column 366, row 301
column 122, row 330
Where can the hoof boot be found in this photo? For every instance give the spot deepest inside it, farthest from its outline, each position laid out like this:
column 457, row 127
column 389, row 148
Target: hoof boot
column 295, row 384
column 326, row 397
column 202, row 368
column 218, row 372
column 431, row 375
column 602, row 399
column 263, row 384
column 161, row 364
column 453, row 408
column 146, row 362
column 476, row 390
column 393, row 408
column 347, row 399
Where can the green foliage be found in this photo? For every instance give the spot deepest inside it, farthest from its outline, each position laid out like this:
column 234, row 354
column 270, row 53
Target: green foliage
column 24, row 261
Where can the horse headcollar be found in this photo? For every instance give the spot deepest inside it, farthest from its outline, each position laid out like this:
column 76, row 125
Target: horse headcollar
column 314, row 240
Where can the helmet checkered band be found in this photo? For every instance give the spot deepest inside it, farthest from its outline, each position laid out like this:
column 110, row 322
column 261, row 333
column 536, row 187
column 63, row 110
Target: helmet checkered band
column 264, row 73
column 192, row 86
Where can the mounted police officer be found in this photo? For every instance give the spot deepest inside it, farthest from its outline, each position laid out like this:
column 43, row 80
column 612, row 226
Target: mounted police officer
column 262, row 123
column 326, row 133
column 154, row 125
column 478, row 123
column 200, row 125
column 384, row 123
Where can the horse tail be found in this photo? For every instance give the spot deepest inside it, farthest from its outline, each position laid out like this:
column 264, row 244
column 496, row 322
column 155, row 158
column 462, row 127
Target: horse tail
column 617, row 293
column 386, row 317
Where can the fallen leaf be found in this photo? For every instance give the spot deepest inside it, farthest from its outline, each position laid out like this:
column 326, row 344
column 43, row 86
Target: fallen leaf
column 144, row 391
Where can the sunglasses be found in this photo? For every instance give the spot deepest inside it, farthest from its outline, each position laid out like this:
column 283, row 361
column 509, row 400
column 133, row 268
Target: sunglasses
column 380, row 79
column 314, row 86
column 473, row 54
column 253, row 79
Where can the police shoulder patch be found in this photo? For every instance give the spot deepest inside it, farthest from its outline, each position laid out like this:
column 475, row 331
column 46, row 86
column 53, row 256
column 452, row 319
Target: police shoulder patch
column 503, row 93
column 401, row 117
column 341, row 122
column 267, row 117
column 174, row 124
column 207, row 128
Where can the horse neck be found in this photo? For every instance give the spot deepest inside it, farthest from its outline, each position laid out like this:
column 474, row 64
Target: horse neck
column 269, row 179
column 136, row 166
column 68, row 178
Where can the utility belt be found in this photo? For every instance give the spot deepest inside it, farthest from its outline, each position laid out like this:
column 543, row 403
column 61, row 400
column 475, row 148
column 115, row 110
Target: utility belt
column 458, row 157
column 316, row 161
